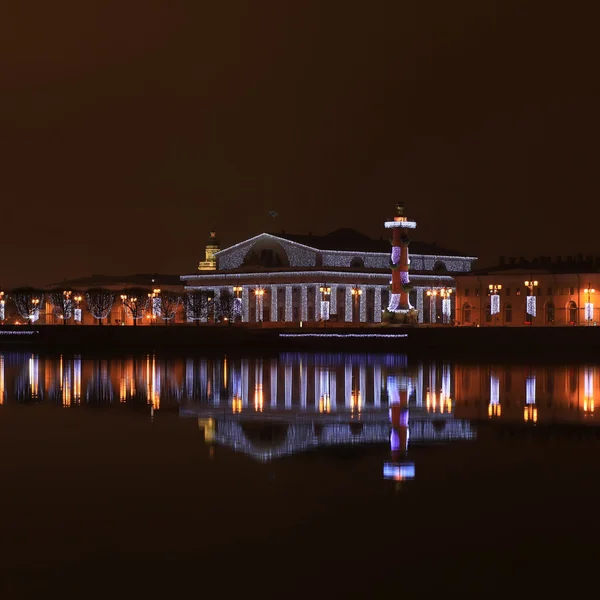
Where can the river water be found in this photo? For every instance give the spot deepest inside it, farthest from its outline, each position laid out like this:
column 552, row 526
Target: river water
column 295, row 474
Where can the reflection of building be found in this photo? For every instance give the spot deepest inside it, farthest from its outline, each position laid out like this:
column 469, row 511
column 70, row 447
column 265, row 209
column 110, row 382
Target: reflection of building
column 326, row 400
column 564, row 293
column 287, row 278
column 510, row 393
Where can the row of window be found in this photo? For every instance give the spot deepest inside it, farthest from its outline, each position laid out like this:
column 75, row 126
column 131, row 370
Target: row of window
column 564, row 291
column 550, row 312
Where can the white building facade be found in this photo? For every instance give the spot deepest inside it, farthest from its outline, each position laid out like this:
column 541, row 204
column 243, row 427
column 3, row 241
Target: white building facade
column 341, row 277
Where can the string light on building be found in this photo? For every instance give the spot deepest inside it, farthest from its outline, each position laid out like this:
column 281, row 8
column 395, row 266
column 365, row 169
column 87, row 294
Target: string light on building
column 494, row 291
column 531, row 300
column 589, row 305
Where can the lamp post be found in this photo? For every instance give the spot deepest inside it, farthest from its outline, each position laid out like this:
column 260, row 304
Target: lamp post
column 237, row 299
column 154, row 305
column 36, row 304
column 445, row 293
column 67, row 306
column 356, row 293
column 432, row 296
column 325, row 293
column 2, row 304
column 259, row 293
column 531, row 300
column 77, row 309
column 589, row 306
column 494, row 292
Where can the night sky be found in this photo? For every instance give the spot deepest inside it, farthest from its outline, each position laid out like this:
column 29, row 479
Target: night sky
column 129, row 129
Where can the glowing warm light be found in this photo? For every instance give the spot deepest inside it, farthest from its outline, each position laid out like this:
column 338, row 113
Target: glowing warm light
column 530, row 413
column 325, row 404
column 355, row 401
column 236, row 405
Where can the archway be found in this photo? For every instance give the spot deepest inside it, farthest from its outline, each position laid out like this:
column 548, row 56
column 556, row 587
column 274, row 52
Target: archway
column 466, row 313
column 549, row 313
column 572, row 313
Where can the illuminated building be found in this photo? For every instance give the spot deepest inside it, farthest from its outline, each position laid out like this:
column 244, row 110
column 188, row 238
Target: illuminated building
column 520, row 292
column 342, row 277
column 212, row 247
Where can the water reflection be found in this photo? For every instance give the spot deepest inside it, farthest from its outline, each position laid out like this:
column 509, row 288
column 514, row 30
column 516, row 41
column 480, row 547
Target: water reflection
column 270, row 407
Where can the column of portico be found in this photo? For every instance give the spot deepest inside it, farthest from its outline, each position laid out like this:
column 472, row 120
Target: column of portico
column 377, row 304
column 333, row 300
column 317, row 302
column 363, row 303
column 348, row 308
column 245, row 303
column 217, row 303
column 273, row 383
column 420, row 303
column 289, row 309
column 273, row 303
column 304, row 303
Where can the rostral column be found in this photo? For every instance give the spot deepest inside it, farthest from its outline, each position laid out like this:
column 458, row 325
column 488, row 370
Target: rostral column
column 399, row 262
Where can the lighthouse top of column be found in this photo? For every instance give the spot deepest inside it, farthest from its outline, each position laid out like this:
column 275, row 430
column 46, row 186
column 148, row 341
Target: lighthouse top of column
column 400, row 220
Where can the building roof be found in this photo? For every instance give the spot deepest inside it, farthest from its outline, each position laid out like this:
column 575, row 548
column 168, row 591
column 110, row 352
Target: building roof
column 542, row 264
column 350, row 240
column 140, row 279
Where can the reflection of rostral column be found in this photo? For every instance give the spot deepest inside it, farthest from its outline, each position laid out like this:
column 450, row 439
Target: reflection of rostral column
column 399, row 260
column 398, row 400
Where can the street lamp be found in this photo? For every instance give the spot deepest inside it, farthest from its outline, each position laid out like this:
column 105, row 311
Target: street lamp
column 2, row 302
column 325, row 293
column 259, row 293
column 589, row 306
column 531, row 300
column 432, row 306
column 494, row 292
column 356, row 293
column 445, row 293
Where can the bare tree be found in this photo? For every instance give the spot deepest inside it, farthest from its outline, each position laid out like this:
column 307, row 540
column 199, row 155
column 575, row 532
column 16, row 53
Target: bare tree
column 136, row 301
column 62, row 304
column 28, row 302
column 165, row 305
column 226, row 308
column 99, row 303
column 196, row 306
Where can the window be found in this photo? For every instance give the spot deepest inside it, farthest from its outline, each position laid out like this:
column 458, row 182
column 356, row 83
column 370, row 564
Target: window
column 507, row 290
column 488, row 313
column 572, row 291
column 477, row 291
column 518, row 292
column 549, row 312
column 467, row 313
column 508, row 313
column 549, row 291
column 466, row 291
column 572, row 312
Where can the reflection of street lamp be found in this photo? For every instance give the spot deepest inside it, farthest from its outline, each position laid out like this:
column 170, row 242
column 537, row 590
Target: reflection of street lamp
column 531, row 300
column 589, row 306
column 432, row 296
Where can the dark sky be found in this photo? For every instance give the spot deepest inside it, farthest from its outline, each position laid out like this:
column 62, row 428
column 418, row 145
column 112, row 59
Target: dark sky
column 129, row 129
